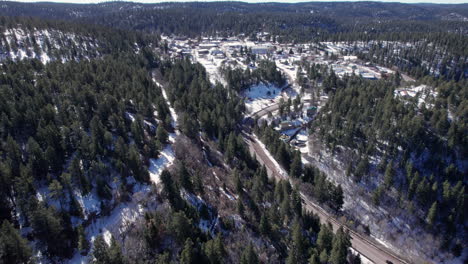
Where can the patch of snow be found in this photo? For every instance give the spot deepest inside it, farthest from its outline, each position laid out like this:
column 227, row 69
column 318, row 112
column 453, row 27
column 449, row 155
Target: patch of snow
column 89, row 203
column 166, row 158
column 230, row 197
column 364, row 260
column 261, row 96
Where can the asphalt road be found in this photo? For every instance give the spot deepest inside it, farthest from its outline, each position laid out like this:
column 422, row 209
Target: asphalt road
column 366, row 246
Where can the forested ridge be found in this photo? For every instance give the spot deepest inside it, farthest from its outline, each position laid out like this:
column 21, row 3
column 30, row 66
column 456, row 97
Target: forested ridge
column 100, row 128
column 417, row 149
column 66, row 126
column 80, row 128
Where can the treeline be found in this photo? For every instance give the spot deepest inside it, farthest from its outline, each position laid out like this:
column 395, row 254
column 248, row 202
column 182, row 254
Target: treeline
column 266, row 71
column 74, row 127
column 418, row 146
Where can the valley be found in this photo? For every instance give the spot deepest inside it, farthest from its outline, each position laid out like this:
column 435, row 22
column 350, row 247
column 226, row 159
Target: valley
column 233, row 132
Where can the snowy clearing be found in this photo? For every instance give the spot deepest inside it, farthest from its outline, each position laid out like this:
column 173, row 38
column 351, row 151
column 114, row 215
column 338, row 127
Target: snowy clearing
column 260, row 96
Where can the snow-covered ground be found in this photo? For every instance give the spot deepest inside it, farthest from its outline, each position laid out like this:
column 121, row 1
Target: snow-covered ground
column 260, row 96
column 291, row 74
column 118, row 222
column 212, row 66
column 165, row 159
column 364, row 260
column 423, row 93
column 122, row 217
column 48, row 41
column 395, row 229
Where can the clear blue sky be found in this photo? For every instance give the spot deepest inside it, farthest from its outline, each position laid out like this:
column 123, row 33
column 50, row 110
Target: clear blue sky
column 260, row 1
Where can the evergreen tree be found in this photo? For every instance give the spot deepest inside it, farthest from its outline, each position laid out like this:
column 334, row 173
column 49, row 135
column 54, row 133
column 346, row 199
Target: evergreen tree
column 297, row 252
column 324, row 238
column 432, row 214
column 187, row 256
column 115, row 253
column 161, row 134
column 13, row 248
column 296, row 166
column 389, row 175
column 341, row 243
column 214, row 250
column 56, row 190
column 249, row 256
column 184, row 178
column 83, row 244
column 101, row 251
column 324, row 256
column 181, row 226
column 314, row 259
column 296, row 201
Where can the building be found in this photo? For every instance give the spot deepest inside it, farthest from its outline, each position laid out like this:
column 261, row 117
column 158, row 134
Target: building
column 368, row 75
column 260, row 50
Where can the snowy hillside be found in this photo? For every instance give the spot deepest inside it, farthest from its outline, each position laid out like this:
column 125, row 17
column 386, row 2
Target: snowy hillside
column 46, row 45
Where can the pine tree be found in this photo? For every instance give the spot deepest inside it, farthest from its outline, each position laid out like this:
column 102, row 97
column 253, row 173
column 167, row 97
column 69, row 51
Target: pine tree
column 184, row 178
column 314, row 259
column 341, row 243
column 115, row 253
column 249, row 256
column 389, row 174
column 56, row 190
column 297, row 253
column 240, row 207
column 296, row 202
column 324, row 256
column 324, row 238
column 238, row 183
column 296, row 166
column 337, row 198
column 101, row 251
column 432, row 214
column 187, row 256
column 83, row 244
column 161, row 134
column 13, row 248
column 214, row 250
column 181, row 226
column 49, row 228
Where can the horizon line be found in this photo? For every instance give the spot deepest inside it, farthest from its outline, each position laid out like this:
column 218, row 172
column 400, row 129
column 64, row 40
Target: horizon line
column 435, row 2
